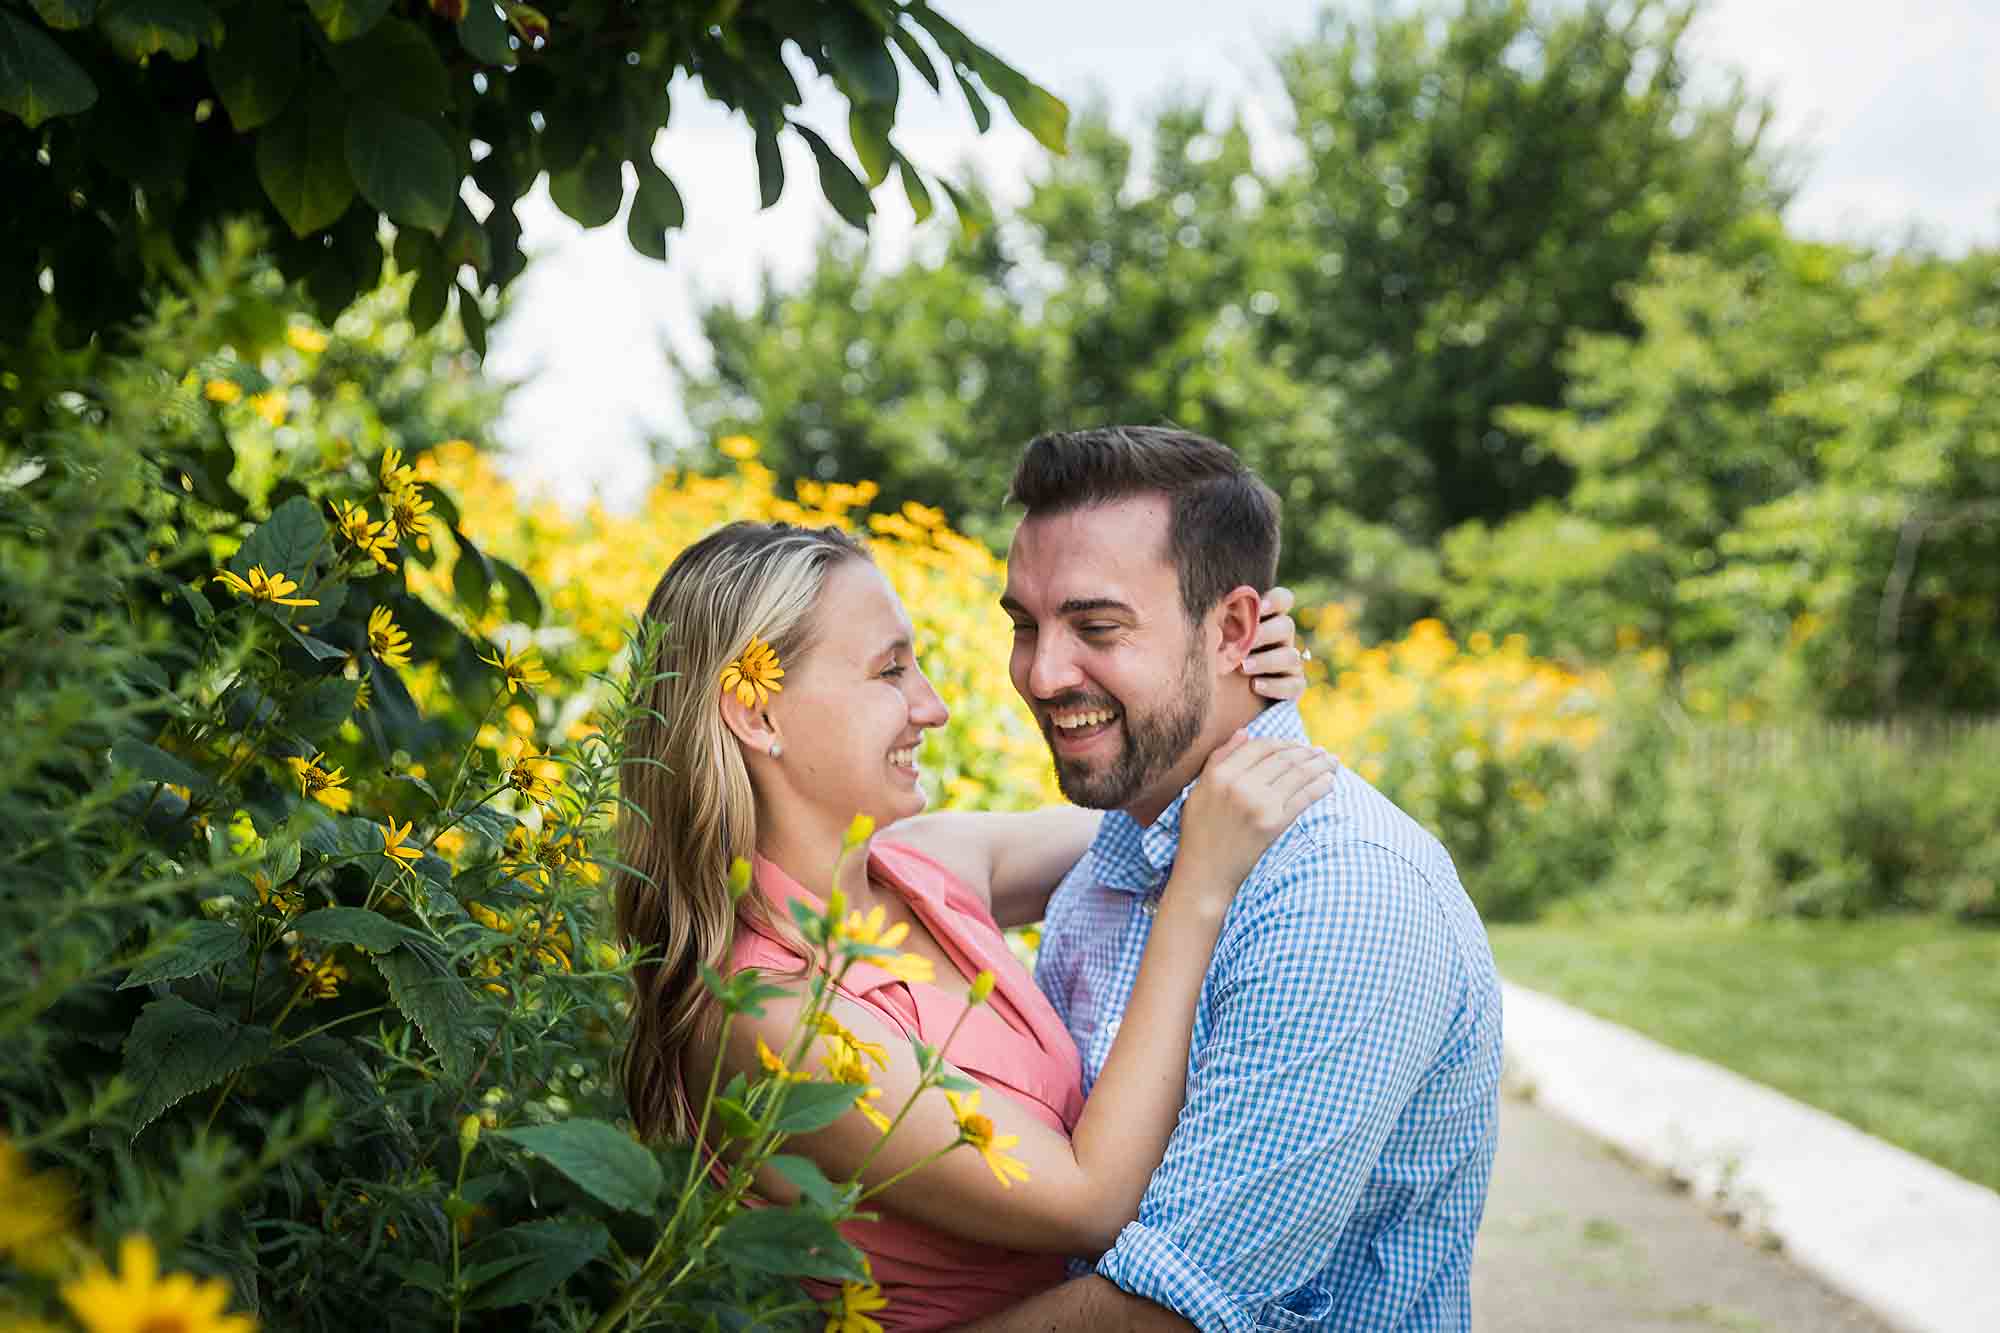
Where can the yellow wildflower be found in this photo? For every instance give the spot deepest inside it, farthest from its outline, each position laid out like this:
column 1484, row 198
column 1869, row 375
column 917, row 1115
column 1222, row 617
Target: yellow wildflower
column 305, row 339
column 833, row 1027
column 908, row 967
column 738, row 447
column 270, row 405
column 982, row 986
column 386, row 639
column 222, row 391
column 975, row 1129
column 261, row 587
column 395, row 476
column 35, row 1212
column 842, row 1063
column 754, row 675
column 774, row 1064
column 408, row 509
column 868, row 930
column 848, row 1312
column 532, row 774
column 322, row 975
column 394, row 844
column 284, row 901
column 521, row 667
column 371, row 537
column 327, row 786
column 859, row 830
column 139, row 1300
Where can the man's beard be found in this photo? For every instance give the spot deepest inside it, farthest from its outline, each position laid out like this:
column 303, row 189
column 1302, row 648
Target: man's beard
column 1152, row 744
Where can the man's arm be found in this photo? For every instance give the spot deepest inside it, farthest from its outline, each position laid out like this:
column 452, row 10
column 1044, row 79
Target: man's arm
column 1087, row 1304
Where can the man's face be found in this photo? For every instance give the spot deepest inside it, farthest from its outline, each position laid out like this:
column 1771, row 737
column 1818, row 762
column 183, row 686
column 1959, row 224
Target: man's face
column 1103, row 653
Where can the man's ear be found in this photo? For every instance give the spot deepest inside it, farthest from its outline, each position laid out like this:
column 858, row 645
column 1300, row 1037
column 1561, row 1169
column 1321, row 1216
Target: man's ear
column 749, row 723
column 1235, row 619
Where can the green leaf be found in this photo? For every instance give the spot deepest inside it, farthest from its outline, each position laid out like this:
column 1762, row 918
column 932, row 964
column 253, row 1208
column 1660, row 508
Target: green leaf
column 811, row 1106
column 868, row 127
column 319, row 649
column 322, row 706
column 394, row 64
column 66, row 15
column 837, row 181
column 256, row 68
column 789, row 1242
column 1038, row 111
column 344, row 20
column 553, row 1248
column 401, row 165
column 193, row 949
column 916, row 192
column 591, row 191
column 356, row 926
column 175, row 1049
column 472, row 319
column 37, row 80
column 600, row 1158
column 285, row 543
column 483, row 34
column 734, row 1120
column 337, row 1062
column 428, row 296
column 770, row 167
column 657, row 208
column 156, row 765
column 197, row 602
column 472, row 577
column 282, row 861
column 523, row 602
column 436, row 1001
column 302, row 160
column 138, row 29
column 867, row 71
column 337, row 837
column 913, row 51
column 971, row 217
column 465, row 241
column 490, row 822
column 808, row 1179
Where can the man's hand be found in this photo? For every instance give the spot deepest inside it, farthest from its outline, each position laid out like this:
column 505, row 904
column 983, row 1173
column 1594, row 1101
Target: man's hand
column 1087, row 1304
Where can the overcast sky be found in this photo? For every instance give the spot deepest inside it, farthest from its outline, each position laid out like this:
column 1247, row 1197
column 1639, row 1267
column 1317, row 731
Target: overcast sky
column 1894, row 108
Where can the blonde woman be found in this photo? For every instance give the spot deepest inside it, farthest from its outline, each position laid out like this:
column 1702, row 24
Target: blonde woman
column 728, row 769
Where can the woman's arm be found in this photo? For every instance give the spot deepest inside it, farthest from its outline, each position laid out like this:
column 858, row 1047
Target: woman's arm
column 1015, row 860
column 1080, row 1191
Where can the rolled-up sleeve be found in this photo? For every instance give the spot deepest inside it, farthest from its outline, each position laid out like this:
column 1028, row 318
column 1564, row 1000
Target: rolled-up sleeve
column 1331, row 994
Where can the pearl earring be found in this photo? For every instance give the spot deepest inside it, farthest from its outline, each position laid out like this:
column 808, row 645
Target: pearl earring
column 777, row 750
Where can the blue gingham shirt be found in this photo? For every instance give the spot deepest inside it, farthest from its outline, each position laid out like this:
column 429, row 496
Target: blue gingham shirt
column 1330, row 1165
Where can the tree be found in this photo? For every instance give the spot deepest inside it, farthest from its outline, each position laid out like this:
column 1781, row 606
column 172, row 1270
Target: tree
column 1471, row 190
column 129, row 128
column 1790, row 470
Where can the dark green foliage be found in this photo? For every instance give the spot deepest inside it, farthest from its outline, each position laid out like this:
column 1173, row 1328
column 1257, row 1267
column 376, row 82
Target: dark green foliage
column 131, row 128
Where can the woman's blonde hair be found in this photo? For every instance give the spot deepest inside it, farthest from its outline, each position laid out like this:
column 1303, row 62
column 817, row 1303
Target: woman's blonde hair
column 685, row 773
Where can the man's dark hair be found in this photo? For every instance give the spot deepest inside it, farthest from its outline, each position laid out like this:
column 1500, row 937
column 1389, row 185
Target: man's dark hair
column 1222, row 531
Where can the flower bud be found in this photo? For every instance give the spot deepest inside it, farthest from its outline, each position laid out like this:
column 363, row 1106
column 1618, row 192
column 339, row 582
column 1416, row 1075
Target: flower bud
column 982, row 986
column 739, row 877
column 468, row 1134
column 606, row 957
column 858, row 832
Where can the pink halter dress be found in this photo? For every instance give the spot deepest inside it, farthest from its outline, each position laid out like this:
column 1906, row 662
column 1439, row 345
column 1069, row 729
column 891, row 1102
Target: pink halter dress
column 1013, row 1045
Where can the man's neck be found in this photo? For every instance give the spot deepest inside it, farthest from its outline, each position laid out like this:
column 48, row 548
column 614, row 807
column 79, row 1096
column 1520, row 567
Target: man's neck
column 1236, row 707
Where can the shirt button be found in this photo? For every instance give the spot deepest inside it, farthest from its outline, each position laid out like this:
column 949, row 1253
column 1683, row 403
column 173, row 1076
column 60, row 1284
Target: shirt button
column 1150, row 905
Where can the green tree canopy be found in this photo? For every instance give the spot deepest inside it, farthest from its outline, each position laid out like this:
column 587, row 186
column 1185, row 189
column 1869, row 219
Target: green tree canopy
column 1471, row 188
column 128, row 128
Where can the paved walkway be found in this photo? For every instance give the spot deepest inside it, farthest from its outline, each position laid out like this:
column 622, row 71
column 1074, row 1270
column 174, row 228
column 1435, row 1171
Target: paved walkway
column 1577, row 1241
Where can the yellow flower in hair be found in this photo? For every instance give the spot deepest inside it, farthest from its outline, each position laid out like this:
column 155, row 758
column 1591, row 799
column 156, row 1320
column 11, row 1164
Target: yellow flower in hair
column 753, row 677
column 977, row 1130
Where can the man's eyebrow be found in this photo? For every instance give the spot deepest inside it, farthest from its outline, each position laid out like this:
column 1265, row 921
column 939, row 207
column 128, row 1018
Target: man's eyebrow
column 1077, row 606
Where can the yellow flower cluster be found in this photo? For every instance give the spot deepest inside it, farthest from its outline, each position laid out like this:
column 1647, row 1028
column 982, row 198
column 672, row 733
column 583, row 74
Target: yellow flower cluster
column 543, row 936
column 596, row 568
column 1424, row 711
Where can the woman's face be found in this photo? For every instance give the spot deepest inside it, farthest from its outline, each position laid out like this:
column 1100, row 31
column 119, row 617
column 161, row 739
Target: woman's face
column 852, row 714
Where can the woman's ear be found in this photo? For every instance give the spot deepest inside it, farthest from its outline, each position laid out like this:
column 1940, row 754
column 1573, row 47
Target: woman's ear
column 1236, row 618
column 749, row 723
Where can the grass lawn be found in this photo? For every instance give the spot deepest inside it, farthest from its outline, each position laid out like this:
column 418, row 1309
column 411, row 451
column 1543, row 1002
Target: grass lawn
column 1892, row 1025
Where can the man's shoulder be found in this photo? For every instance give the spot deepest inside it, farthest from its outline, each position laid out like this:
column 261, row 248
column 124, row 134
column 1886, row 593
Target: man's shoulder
column 1354, row 830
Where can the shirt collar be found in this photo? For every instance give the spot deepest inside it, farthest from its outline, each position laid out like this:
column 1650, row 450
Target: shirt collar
column 1131, row 858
